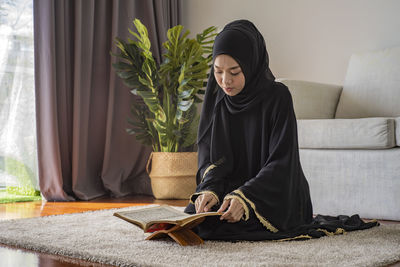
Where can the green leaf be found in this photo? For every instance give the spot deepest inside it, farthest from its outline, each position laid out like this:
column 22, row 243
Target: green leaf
column 197, row 99
column 189, row 129
column 126, row 74
column 163, row 111
column 182, row 74
column 184, row 105
column 131, row 82
column 185, row 94
column 130, row 131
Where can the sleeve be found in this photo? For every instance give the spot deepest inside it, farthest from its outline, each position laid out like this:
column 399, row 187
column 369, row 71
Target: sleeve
column 209, row 178
column 270, row 194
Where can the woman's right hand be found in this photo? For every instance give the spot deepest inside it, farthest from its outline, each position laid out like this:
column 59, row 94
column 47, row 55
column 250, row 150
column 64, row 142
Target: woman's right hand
column 205, row 202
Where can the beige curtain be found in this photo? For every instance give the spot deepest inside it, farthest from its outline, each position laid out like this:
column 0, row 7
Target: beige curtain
column 84, row 151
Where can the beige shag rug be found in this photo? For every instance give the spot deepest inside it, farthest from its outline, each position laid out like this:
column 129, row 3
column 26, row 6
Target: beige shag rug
column 100, row 237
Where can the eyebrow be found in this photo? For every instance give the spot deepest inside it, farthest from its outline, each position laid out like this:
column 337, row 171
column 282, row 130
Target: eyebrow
column 231, row 68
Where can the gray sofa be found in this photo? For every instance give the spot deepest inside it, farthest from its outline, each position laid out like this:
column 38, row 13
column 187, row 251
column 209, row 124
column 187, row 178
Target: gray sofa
column 349, row 137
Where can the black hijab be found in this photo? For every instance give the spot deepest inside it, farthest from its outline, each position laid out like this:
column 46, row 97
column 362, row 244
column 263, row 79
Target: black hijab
column 241, row 40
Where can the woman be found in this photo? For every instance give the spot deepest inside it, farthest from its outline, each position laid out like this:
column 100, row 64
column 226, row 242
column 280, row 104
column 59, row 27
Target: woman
column 249, row 165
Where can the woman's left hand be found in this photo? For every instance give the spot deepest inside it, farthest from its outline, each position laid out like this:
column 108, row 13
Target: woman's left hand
column 233, row 210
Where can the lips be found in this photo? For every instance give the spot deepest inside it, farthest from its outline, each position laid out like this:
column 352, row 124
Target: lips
column 228, row 89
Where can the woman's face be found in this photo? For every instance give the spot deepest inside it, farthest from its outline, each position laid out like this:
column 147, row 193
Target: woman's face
column 229, row 75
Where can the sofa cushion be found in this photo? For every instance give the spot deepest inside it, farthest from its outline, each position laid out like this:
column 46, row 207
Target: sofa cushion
column 372, row 85
column 313, row 100
column 397, row 126
column 367, row 133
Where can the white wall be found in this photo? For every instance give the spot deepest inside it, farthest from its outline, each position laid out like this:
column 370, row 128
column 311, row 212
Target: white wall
column 306, row 39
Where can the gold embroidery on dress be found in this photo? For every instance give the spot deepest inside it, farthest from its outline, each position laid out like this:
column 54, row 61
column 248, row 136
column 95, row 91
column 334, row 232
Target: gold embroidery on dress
column 203, row 192
column 339, row 231
column 209, row 168
column 246, row 209
column 212, row 166
column 294, row 238
column 264, row 221
column 327, row 233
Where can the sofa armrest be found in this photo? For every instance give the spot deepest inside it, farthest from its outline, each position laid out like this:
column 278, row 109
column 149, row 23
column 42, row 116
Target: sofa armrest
column 313, row 100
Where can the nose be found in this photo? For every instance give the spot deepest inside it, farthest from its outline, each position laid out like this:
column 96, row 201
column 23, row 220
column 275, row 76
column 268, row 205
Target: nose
column 226, row 79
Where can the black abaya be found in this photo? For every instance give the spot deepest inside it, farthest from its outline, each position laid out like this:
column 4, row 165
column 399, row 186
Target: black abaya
column 248, row 150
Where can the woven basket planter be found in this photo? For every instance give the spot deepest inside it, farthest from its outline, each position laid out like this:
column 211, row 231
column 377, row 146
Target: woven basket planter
column 172, row 174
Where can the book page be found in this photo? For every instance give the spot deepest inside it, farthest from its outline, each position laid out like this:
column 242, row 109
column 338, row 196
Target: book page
column 147, row 215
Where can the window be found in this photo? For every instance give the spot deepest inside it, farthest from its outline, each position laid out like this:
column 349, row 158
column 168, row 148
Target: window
column 18, row 159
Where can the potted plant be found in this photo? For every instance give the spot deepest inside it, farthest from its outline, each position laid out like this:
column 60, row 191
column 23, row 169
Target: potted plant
column 164, row 111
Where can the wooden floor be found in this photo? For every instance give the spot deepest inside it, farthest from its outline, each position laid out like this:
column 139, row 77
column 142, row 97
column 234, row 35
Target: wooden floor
column 14, row 257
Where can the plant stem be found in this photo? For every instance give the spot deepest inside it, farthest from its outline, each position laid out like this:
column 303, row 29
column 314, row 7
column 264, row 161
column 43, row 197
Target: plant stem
column 169, row 119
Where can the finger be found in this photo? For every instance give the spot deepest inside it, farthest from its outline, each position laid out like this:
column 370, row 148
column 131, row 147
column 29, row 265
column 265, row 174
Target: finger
column 202, row 204
column 234, row 213
column 237, row 210
column 227, row 215
column 236, row 217
column 210, row 204
column 224, row 205
column 232, row 218
column 197, row 203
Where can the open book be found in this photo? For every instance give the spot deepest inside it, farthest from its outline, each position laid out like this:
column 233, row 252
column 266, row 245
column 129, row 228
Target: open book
column 164, row 220
column 147, row 218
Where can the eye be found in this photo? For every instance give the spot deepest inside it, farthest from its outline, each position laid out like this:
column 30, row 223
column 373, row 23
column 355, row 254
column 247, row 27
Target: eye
column 235, row 74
